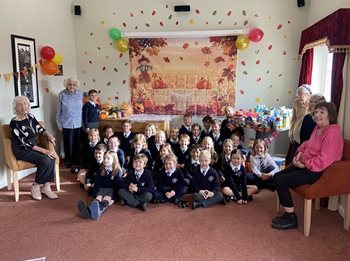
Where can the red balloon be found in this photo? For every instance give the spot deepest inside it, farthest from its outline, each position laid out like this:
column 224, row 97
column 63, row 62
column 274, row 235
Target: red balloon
column 50, row 67
column 256, row 35
column 47, row 52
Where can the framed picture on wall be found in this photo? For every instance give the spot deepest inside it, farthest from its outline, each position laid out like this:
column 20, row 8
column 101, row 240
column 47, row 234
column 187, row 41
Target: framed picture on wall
column 24, row 61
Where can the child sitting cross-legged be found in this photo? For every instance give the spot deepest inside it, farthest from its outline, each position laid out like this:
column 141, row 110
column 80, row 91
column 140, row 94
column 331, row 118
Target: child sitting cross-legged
column 107, row 182
column 137, row 186
column 171, row 184
column 236, row 180
column 206, row 183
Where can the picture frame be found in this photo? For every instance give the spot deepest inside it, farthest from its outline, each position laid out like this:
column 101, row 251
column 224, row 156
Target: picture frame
column 24, row 67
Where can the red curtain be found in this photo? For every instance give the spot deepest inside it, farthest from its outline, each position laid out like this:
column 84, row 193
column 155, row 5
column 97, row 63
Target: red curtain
column 306, row 67
column 336, row 28
column 337, row 78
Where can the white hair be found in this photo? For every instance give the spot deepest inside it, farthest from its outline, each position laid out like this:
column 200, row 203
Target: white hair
column 71, row 79
column 18, row 99
column 305, row 88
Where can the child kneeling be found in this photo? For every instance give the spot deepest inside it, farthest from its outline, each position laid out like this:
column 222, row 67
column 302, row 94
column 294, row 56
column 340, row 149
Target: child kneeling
column 107, row 182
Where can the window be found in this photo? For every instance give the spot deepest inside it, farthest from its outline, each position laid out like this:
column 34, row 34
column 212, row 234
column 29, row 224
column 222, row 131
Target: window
column 322, row 71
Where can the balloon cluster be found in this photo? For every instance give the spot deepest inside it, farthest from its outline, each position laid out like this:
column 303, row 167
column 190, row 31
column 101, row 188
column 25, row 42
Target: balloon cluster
column 243, row 41
column 122, row 44
column 51, row 60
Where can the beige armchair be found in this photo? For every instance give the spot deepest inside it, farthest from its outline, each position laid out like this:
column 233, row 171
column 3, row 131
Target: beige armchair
column 14, row 166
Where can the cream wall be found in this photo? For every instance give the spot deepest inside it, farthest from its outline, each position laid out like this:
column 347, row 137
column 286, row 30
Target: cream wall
column 49, row 23
column 278, row 69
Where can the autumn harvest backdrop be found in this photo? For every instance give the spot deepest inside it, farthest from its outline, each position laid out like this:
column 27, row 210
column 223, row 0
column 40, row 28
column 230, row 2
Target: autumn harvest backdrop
column 176, row 76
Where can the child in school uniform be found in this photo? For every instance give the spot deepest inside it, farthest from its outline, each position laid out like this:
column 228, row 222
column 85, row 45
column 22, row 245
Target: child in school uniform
column 113, row 145
column 88, row 180
column 173, row 140
column 183, row 151
column 158, row 164
column 191, row 164
column 207, row 121
column 237, row 144
column 88, row 154
column 137, row 186
column 236, row 180
column 225, row 157
column 206, row 183
column 160, row 139
column 150, row 132
column 90, row 112
column 126, row 138
column 208, row 144
column 216, row 135
column 262, row 165
column 195, row 137
column 108, row 132
column 138, row 146
column 171, row 184
column 186, row 126
column 107, row 182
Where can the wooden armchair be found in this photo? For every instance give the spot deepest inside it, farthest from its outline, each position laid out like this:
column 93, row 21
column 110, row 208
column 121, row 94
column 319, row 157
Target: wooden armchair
column 334, row 181
column 14, row 166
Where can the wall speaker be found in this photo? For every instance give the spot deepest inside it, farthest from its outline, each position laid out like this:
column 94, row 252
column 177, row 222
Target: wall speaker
column 77, row 10
column 182, row 8
column 301, row 3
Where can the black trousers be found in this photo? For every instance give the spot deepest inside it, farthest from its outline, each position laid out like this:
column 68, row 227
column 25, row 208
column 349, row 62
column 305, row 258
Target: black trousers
column 292, row 177
column 71, row 143
column 45, row 165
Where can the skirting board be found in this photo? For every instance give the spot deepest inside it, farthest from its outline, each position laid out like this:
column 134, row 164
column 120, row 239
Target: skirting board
column 21, row 174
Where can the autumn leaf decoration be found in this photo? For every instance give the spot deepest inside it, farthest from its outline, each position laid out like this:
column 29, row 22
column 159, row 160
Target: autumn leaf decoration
column 151, row 46
column 227, row 72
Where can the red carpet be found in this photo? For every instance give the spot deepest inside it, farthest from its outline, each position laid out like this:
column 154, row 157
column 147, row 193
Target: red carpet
column 53, row 229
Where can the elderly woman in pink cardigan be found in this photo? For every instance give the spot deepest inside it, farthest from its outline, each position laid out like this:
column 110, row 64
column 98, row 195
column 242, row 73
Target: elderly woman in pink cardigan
column 324, row 147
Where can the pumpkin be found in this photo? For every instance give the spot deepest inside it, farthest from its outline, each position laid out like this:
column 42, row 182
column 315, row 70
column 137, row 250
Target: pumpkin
column 103, row 115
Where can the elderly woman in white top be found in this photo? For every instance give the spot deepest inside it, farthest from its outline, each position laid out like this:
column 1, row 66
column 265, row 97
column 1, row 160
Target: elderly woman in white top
column 24, row 128
column 69, row 119
column 300, row 109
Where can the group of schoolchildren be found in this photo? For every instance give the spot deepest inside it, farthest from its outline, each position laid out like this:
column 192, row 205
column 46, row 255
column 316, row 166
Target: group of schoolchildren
column 140, row 168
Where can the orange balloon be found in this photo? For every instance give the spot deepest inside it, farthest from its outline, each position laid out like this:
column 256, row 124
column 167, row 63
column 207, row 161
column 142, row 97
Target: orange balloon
column 50, row 67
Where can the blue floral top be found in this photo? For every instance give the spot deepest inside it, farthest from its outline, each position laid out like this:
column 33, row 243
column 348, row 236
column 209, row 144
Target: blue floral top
column 24, row 132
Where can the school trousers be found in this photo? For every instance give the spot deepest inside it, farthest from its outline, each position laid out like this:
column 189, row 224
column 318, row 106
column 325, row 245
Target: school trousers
column 133, row 199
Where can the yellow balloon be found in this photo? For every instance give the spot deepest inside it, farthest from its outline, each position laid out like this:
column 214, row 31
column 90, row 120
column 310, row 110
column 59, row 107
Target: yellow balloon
column 122, row 45
column 242, row 42
column 57, row 59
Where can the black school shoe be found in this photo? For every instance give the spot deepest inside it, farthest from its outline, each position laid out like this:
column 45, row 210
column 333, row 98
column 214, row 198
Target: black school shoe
column 83, row 210
column 286, row 221
column 142, row 206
